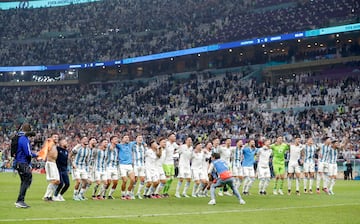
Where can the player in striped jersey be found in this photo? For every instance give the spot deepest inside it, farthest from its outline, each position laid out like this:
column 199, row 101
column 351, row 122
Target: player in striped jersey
column 323, row 165
column 80, row 155
column 237, row 168
column 185, row 152
column 138, row 150
column 91, row 171
column 333, row 154
column 294, row 169
column 263, row 167
column 112, row 165
column 197, row 159
column 309, row 164
column 100, row 170
column 225, row 154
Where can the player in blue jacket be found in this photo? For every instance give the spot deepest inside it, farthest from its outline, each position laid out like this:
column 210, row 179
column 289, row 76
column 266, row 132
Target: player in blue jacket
column 224, row 176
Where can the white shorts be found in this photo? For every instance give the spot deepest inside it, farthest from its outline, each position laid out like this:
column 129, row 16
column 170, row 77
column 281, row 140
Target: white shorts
column 248, row 171
column 151, row 175
column 184, row 172
column 294, row 167
column 263, row 172
column 332, row 170
column 112, row 173
column 100, row 176
column 52, row 172
column 196, row 174
column 309, row 167
column 125, row 170
column 139, row 171
column 323, row 167
column 91, row 174
column 78, row 174
column 238, row 171
column 161, row 173
column 204, row 174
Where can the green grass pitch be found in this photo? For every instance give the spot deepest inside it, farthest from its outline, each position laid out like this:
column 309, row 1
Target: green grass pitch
column 342, row 208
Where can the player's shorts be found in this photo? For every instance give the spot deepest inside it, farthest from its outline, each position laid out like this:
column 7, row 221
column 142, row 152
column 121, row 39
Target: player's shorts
column 151, row 175
column 323, row 167
column 169, row 169
column 139, row 171
column 263, row 172
column 279, row 169
column 197, row 174
column 125, row 170
column 161, row 173
column 52, row 172
column 112, row 173
column 78, row 174
column 309, row 167
column 332, row 170
column 100, row 176
column 204, row 174
column 248, row 171
column 184, row 172
column 294, row 167
column 91, row 174
column 238, row 171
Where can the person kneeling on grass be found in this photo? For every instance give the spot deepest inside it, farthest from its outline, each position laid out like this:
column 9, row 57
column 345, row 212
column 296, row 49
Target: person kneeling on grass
column 224, row 177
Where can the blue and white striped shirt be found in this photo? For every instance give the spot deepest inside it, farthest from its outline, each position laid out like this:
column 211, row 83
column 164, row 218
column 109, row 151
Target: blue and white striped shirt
column 112, row 160
column 237, row 157
column 138, row 154
column 309, row 151
column 82, row 157
column 333, row 154
column 100, row 160
column 324, row 150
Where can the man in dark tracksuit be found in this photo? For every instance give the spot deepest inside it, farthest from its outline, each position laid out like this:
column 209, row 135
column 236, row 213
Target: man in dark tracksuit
column 23, row 164
column 62, row 164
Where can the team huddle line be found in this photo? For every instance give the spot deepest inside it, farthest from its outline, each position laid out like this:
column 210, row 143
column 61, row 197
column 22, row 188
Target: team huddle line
column 209, row 166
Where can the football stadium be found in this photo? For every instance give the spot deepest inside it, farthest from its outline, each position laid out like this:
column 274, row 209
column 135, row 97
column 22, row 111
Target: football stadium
column 191, row 111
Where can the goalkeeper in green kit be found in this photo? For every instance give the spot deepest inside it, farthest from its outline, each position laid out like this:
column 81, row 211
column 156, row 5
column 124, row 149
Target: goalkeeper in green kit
column 279, row 150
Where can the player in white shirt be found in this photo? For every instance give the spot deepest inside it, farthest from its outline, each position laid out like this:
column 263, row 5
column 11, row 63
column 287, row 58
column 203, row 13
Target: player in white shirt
column 160, row 169
column 112, row 165
column 168, row 165
column 138, row 151
column 152, row 154
column 206, row 162
column 263, row 168
column 225, row 154
column 309, row 164
column 296, row 151
column 100, row 170
column 197, row 160
column 185, row 152
column 323, row 165
column 237, row 159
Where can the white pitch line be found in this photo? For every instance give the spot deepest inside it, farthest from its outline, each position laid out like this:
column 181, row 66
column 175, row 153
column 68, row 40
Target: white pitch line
column 174, row 214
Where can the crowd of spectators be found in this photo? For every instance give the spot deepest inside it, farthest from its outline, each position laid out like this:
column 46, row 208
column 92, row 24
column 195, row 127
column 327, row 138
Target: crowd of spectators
column 203, row 105
column 115, row 29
